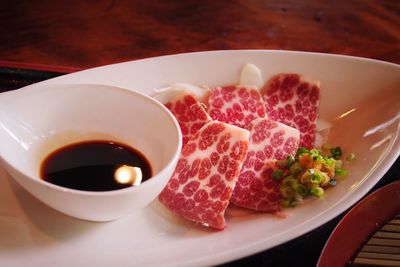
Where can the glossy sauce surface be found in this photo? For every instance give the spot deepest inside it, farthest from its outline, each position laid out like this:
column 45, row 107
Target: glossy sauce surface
column 96, row 166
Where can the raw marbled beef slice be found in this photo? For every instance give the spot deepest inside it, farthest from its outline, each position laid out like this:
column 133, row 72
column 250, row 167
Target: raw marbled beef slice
column 237, row 105
column 292, row 100
column 269, row 141
column 189, row 113
column 207, row 170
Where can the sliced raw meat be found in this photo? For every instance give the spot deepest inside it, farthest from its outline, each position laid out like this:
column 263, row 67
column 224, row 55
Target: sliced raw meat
column 207, row 170
column 189, row 113
column 236, row 105
column 269, row 141
column 292, row 100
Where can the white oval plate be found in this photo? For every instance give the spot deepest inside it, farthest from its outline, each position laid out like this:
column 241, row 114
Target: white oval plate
column 361, row 97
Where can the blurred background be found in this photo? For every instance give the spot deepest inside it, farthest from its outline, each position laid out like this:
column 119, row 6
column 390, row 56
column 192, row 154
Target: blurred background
column 88, row 33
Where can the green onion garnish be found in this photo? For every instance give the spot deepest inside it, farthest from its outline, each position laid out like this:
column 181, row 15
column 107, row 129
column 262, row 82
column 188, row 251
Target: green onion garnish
column 287, row 192
column 315, row 154
column 336, row 152
column 295, row 168
column 301, row 151
column 310, row 172
column 300, row 189
column 287, row 203
column 341, row 172
column 290, row 161
column 316, row 178
column 350, row 157
column 317, row 191
column 329, row 162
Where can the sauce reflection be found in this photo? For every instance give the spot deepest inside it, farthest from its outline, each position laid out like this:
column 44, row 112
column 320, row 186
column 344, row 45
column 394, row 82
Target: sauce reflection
column 128, row 175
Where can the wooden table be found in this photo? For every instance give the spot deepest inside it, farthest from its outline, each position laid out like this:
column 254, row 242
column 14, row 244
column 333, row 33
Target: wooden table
column 65, row 36
column 89, row 33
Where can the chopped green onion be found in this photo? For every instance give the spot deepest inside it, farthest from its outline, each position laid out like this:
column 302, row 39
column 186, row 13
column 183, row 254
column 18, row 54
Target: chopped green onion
column 316, row 178
column 290, row 161
column 301, row 151
column 336, row 152
column 317, row 191
column 324, row 178
column 350, row 157
column 341, row 172
column 309, row 173
column 300, row 189
column 315, row 154
column 330, row 163
column 305, row 177
column 286, row 203
column 338, row 164
column 277, row 174
column 289, row 180
column 287, row 192
column 295, row 168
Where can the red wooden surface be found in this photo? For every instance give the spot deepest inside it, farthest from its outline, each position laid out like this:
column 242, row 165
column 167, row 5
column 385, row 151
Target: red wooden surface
column 89, row 33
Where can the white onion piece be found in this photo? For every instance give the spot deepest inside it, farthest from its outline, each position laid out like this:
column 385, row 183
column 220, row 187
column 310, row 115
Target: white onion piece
column 322, row 133
column 251, row 76
column 323, row 125
column 165, row 94
column 319, row 140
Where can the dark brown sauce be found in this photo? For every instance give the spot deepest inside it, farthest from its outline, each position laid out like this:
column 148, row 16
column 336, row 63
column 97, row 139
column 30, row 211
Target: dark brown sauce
column 96, row 166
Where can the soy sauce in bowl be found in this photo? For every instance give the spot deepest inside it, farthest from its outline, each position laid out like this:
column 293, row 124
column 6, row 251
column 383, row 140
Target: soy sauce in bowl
column 96, row 166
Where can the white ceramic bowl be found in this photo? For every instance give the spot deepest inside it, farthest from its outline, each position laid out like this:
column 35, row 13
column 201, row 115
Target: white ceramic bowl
column 36, row 122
